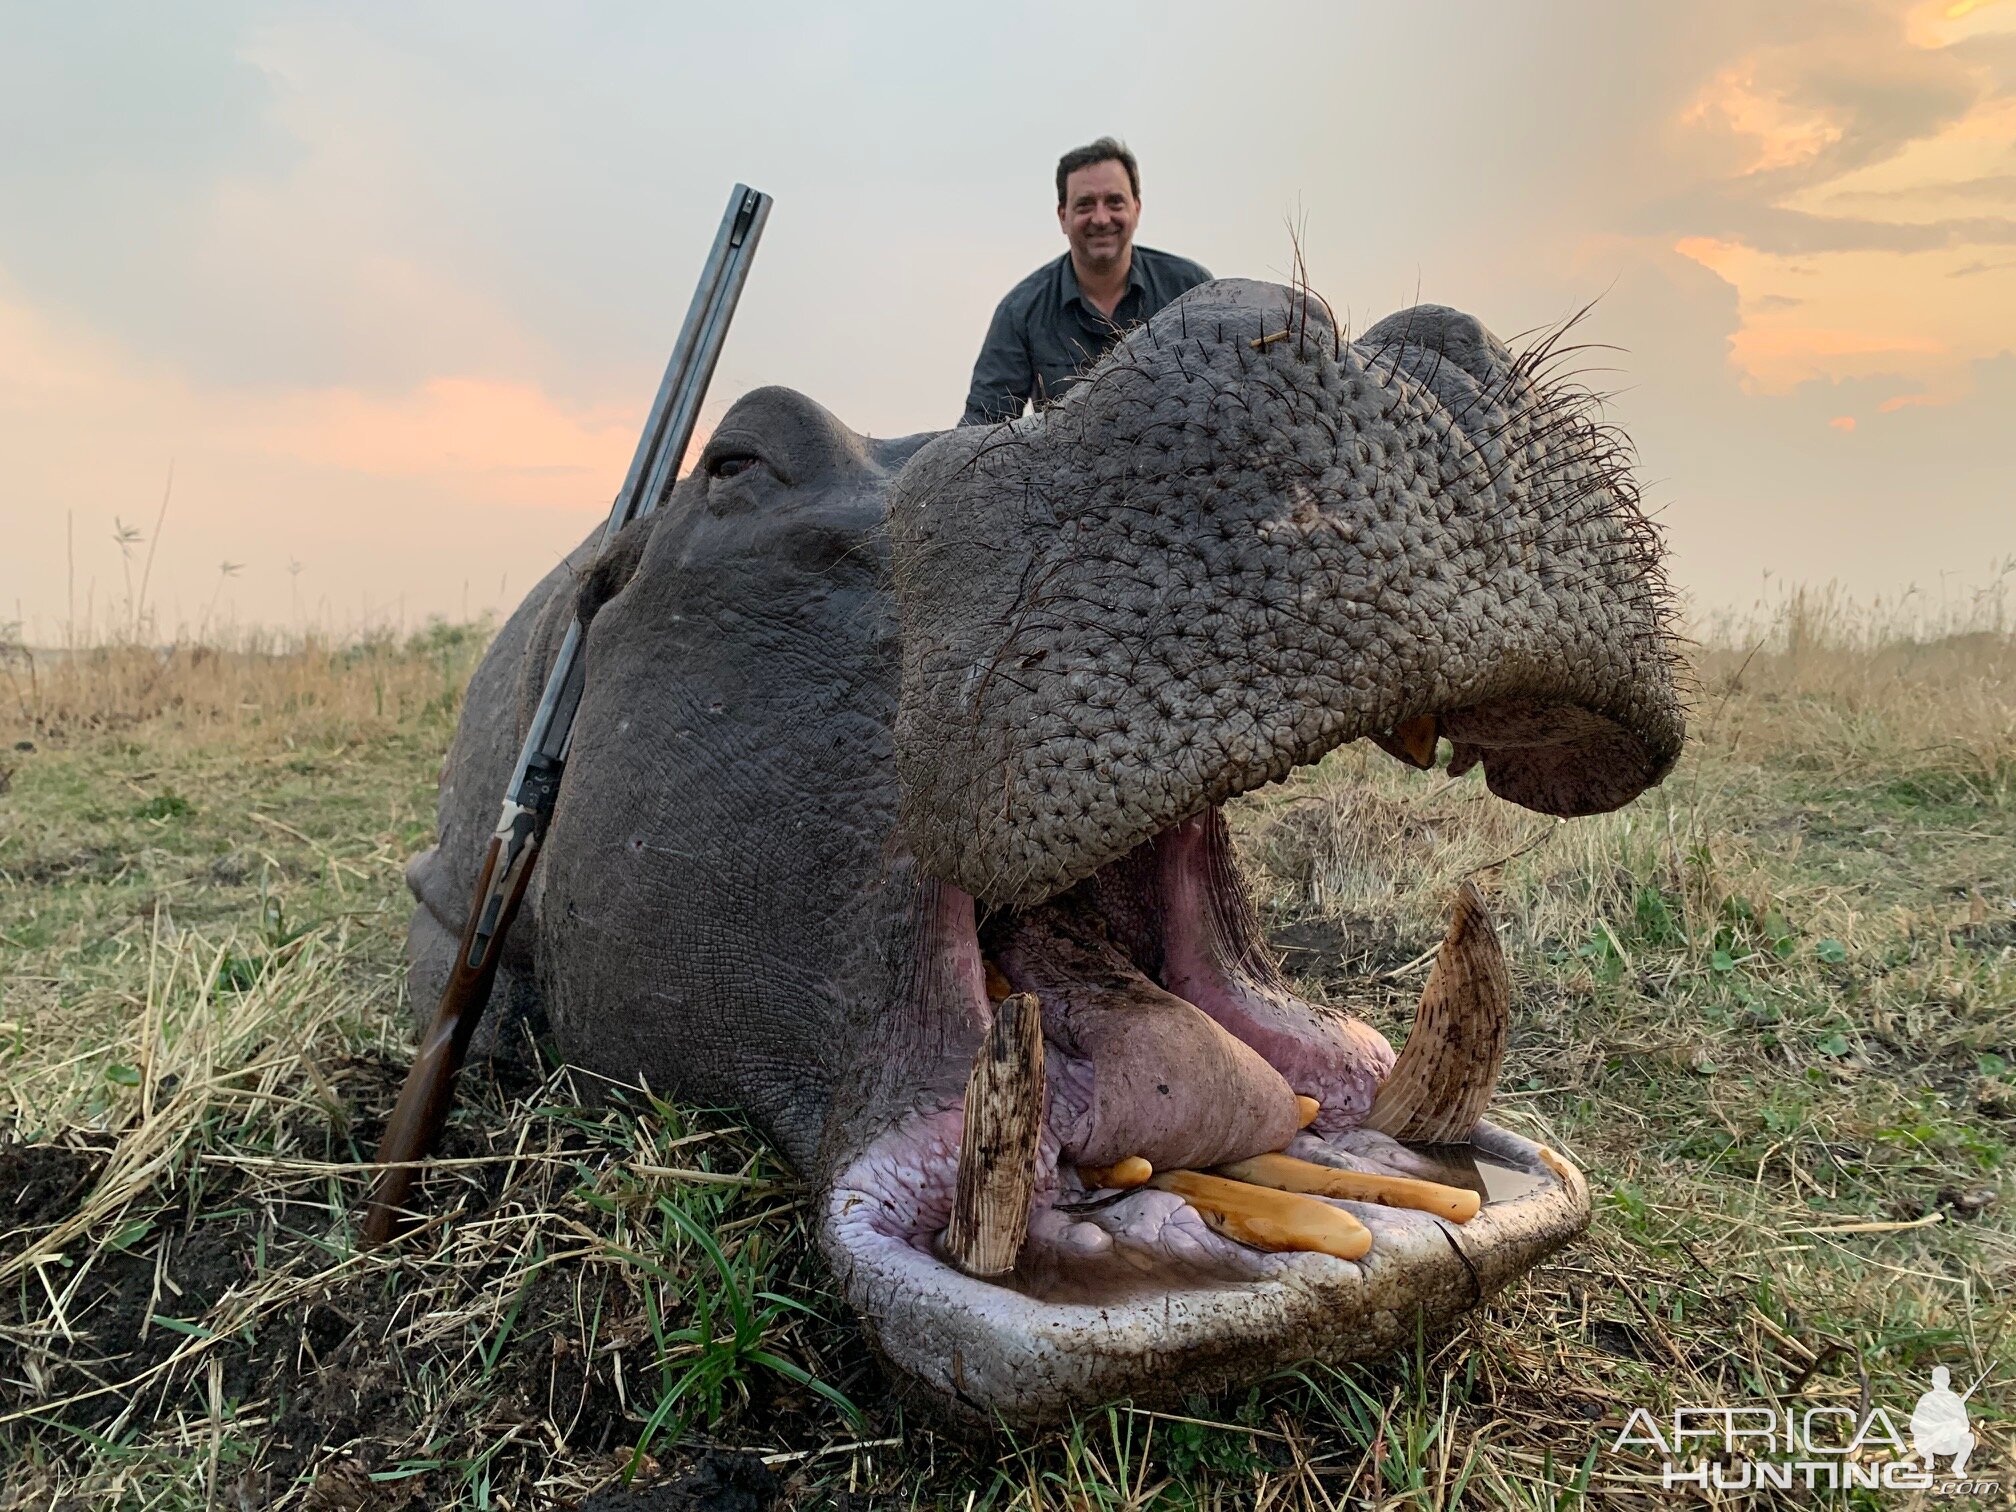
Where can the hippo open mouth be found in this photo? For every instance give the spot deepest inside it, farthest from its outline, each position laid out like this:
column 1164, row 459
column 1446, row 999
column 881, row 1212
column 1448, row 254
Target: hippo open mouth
column 1108, row 1181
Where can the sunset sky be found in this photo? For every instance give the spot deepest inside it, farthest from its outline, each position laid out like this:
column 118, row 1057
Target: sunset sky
column 389, row 287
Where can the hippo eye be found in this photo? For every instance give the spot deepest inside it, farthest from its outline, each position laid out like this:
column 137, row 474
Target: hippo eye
column 732, row 463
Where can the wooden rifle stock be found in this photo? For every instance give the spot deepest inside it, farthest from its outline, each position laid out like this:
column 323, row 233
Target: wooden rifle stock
column 429, row 1091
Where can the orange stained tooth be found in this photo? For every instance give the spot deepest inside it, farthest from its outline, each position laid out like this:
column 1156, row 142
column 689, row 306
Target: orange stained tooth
column 1121, row 1176
column 1266, row 1219
column 1417, row 738
column 1306, row 1109
column 1286, row 1173
column 997, row 984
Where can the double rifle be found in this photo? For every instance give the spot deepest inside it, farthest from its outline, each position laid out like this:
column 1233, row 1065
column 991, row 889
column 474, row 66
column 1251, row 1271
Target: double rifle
column 424, row 1100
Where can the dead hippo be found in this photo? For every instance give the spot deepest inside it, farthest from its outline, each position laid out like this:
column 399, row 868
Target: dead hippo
column 879, row 735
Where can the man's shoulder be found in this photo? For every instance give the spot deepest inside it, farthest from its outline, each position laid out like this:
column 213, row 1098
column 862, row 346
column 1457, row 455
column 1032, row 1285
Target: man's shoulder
column 1168, row 266
column 1026, row 294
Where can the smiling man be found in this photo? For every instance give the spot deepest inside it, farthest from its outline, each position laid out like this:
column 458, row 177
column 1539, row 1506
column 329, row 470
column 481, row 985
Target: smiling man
column 1060, row 319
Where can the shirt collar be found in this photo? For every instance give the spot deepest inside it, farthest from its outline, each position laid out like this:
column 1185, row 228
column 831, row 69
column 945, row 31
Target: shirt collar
column 1135, row 279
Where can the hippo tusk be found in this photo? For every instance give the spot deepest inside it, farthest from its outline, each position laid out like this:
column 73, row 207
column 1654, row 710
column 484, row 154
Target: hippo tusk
column 997, row 1151
column 1447, row 1072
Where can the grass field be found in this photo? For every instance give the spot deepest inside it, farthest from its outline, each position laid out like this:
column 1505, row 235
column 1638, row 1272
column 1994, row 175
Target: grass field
column 1770, row 1010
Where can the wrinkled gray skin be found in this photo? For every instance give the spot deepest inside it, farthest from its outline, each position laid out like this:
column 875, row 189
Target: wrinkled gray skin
column 840, row 689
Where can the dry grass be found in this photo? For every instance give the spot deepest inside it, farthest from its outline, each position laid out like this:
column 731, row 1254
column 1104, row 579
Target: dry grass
column 1766, row 1007
column 258, row 691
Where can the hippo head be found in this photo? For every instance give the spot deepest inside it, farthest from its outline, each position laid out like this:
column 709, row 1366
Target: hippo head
column 895, row 818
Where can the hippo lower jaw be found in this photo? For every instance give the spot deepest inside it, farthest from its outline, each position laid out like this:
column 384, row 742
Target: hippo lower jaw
column 1169, row 1035
column 1203, row 1314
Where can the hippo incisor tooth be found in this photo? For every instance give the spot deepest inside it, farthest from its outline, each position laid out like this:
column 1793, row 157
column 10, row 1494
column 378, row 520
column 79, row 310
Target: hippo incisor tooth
column 1268, row 1219
column 1417, row 737
column 1287, row 1174
column 1121, row 1176
column 1306, row 1109
column 997, row 1149
column 1411, row 740
column 1447, row 1072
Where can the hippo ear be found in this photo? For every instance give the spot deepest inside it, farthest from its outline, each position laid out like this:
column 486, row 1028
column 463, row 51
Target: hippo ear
column 612, row 570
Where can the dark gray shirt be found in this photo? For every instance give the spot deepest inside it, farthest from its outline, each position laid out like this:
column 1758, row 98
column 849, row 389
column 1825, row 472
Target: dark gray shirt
column 1045, row 332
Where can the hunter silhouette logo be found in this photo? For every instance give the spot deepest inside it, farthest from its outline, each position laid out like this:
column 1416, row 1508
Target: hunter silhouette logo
column 1939, row 1422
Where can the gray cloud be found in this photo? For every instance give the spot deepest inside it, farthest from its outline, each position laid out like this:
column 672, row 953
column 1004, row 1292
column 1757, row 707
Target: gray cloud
column 1996, row 188
column 1850, row 65
column 1776, row 229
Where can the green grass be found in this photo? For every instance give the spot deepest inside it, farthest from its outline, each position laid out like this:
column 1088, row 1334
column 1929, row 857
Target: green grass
column 1770, row 1010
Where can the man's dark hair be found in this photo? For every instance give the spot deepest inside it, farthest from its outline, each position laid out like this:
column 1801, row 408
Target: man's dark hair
column 1105, row 150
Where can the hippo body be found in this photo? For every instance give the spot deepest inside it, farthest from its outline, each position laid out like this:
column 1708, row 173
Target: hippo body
column 876, row 731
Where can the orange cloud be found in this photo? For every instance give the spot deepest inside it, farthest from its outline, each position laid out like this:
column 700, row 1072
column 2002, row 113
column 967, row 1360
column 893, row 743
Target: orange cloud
column 1858, row 313
column 1714, row 254
column 1777, row 358
column 331, row 478
column 1842, row 423
column 1857, row 310
column 511, row 438
column 494, row 439
column 1940, row 23
column 1897, row 402
column 1780, row 134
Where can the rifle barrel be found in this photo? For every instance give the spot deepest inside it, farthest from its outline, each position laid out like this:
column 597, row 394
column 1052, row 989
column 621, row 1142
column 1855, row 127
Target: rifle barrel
column 428, row 1092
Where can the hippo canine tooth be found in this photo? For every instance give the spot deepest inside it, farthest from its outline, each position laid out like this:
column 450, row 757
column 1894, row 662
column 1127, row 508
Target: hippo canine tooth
column 997, row 1150
column 1447, row 1072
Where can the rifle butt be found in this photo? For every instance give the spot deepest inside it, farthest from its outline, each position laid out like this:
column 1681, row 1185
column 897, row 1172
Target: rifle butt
column 428, row 1092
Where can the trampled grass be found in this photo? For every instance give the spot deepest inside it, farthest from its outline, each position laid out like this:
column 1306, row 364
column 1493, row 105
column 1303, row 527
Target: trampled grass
column 1769, row 1009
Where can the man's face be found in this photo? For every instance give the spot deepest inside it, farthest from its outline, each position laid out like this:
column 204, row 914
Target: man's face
column 1099, row 214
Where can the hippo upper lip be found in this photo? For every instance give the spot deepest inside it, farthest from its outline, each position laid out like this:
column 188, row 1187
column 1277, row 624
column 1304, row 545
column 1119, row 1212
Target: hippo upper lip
column 1234, row 553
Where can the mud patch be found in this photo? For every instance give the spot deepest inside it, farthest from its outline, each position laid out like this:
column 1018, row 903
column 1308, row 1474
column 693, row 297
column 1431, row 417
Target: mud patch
column 41, row 1185
column 718, row 1481
column 459, row 1361
column 1334, row 954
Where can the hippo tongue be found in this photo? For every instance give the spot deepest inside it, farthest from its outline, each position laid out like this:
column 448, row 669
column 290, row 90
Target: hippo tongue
column 1135, row 1070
